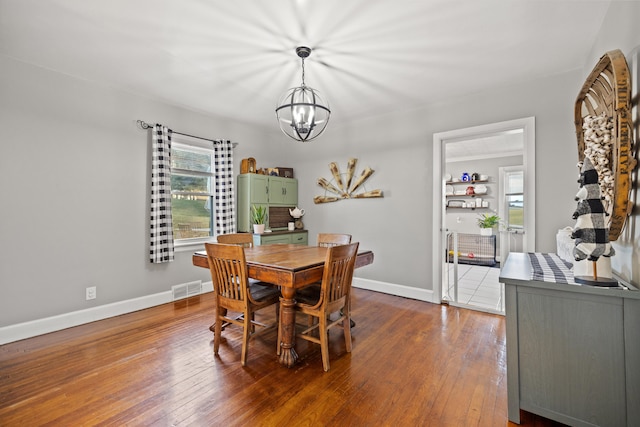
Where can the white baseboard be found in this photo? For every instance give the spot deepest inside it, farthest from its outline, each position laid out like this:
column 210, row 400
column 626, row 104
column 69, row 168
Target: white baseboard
column 393, row 289
column 37, row 327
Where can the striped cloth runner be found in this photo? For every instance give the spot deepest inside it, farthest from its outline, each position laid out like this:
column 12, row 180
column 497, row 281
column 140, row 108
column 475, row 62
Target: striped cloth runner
column 550, row 268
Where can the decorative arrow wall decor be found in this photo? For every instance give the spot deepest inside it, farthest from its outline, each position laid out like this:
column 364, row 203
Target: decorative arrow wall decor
column 343, row 186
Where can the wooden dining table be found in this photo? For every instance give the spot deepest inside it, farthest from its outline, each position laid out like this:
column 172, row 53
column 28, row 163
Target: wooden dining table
column 291, row 267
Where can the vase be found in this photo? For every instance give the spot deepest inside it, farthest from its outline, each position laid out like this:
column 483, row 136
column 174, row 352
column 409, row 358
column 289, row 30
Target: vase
column 486, row 231
column 258, row 228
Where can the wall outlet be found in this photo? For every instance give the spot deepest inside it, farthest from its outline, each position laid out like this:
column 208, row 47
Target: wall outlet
column 91, row 292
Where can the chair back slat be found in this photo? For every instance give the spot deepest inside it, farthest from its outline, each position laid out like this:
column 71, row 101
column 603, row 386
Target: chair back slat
column 242, row 239
column 338, row 272
column 333, row 239
column 229, row 274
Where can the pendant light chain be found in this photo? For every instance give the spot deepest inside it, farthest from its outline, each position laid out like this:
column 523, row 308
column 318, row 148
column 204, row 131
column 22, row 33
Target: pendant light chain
column 303, row 72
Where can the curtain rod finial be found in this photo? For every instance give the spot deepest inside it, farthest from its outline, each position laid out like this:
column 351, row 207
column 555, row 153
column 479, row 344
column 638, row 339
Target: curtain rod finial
column 143, row 124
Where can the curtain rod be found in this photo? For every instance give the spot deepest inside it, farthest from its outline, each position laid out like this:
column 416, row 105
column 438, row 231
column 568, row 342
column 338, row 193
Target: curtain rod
column 145, row 125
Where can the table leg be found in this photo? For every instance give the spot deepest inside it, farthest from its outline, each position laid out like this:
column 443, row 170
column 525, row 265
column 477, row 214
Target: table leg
column 288, row 355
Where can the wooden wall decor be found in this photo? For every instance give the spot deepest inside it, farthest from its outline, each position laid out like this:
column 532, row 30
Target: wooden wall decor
column 604, row 132
column 344, row 186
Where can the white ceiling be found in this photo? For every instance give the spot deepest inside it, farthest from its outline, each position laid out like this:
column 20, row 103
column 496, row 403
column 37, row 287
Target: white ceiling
column 235, row 58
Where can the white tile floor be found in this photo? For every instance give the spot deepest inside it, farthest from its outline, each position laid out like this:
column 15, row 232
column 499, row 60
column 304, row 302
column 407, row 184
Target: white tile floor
column 478, row 286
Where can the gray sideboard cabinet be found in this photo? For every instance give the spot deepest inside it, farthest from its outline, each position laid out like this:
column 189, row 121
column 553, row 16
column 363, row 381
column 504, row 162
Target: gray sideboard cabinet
column 573, row 352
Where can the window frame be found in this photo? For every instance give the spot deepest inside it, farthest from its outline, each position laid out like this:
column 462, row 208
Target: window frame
column 185, row 143
column 505, row 172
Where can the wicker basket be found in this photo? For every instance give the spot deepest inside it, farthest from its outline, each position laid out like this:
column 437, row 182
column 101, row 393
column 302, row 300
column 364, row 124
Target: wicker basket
column 607, row 91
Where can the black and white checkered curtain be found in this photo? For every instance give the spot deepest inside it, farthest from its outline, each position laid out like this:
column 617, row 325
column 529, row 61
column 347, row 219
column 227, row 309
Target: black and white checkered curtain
column 225, row 193
column 161, row 229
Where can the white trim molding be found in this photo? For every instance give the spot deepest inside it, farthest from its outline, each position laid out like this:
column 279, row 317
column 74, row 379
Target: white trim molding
column 37, row 327
column 393, row 289
column 440, row 139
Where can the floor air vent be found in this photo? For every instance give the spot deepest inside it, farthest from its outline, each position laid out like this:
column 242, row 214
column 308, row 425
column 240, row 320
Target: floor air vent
column 185, row 290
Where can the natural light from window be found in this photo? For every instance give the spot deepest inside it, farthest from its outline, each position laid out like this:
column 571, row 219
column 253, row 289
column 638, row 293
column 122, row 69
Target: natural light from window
column 191, row 192
column 514, row 199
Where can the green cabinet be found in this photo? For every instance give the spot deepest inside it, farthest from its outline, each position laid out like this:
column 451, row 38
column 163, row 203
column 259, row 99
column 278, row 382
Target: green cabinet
column 287, row 237
column 283, row 191
column 262, row 190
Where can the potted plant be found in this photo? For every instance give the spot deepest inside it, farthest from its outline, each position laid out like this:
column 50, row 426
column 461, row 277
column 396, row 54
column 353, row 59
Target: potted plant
column 259, row 218
column 486, row 223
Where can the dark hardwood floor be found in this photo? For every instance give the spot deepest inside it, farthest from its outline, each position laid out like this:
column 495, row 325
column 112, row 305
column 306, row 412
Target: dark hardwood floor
column 413, row 364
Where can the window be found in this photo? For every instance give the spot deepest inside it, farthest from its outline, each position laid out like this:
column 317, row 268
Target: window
column 514, row 198
column 192, row 187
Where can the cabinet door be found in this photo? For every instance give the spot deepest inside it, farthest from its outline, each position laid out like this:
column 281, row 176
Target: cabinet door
column 571, row 354
column 252, row 190
column 276, row 190
column 283, row 191
column 290, row 192
column 258, row 189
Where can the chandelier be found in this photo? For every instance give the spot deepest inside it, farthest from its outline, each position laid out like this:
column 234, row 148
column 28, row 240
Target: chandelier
column 302, row 113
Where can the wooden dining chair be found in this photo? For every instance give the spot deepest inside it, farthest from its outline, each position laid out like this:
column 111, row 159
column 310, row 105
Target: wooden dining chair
column 243, row 239
column 234, row 293
column 327, row 240
column 333, row 298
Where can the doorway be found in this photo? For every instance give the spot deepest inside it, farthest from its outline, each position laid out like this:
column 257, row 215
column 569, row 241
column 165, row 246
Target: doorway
column 478, row 158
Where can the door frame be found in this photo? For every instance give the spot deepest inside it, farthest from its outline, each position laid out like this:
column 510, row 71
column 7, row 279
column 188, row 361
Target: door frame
column 527, row 125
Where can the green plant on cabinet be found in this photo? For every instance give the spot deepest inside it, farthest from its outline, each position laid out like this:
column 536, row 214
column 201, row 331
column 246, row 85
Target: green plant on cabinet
column 259, row 214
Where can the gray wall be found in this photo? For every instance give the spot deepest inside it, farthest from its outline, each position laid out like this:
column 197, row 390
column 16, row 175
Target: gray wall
column 399, row 148
column 74, row 179
column 620, row 31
